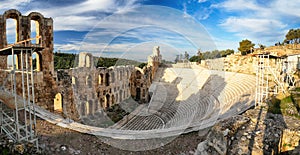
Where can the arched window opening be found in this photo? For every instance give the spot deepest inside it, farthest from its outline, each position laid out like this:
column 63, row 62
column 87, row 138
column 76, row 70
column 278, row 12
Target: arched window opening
column 121, row 75
column 143, row 94
column 87, row 108
column 112, row 77
column 138, row 75
column 35, row 32
column 88, row 81
column 107, row 79
column 58, row 106
column 87, row 61
column 107, row 101
column 83, row 107
column 89, row 105
column 12, row 60
column 138, row 94
column 73, row 80
column 36, row 63
column 101, row 79
column 121, row 98
column 11, row 31
column 112, row 100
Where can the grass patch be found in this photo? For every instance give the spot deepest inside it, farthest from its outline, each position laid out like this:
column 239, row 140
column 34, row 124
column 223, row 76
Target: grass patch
column 285, row 106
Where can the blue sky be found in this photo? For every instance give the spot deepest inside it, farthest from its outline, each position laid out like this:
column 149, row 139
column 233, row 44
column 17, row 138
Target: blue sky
column 130, row 28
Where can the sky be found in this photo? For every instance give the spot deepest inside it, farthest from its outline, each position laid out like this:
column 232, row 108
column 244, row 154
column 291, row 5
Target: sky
column 131, row 28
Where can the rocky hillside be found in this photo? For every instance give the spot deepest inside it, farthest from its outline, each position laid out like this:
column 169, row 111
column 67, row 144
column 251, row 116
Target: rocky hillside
column 255, row 132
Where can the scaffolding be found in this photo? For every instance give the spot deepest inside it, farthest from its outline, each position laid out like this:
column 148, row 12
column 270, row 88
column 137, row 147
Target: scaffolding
column 17, row 112
column 264, row 74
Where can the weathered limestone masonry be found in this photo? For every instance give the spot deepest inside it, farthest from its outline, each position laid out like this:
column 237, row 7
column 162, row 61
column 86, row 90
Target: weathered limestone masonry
column 76, row 92
column 44, row 85
column 247, row 64
column 154, row 60
column 85, row 90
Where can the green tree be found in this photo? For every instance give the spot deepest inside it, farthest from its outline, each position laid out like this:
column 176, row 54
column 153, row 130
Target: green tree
column 246, row 46
column 293, row 36
column 195, row 58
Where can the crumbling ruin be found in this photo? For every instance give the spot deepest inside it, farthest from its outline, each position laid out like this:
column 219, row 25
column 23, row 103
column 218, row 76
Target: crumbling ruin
column 75, row 92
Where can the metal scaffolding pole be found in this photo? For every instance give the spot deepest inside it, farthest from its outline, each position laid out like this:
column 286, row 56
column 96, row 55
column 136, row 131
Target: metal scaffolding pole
column 17, row 119
column 264, row 73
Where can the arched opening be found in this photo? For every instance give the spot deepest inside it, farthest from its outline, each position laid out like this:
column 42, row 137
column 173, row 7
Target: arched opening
column 87, row 61
column 36, row 61
column 138, row 74
column 138, row 94
column 12, row 60
column 107, row 99
column 143, row 94
column 11, row 31
column 101, row 79
column 73, row 80
column 107, row 79
column 121, row 98
column 87, row 108
column 88, row 81
column 58, row 106
column 117, row 98
column 113, row 77
column 35, row 31
column 112, row 99
column 102, row 102
column 83, row 107
column 121, row 75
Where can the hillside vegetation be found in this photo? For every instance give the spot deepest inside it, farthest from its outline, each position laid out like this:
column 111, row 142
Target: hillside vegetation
column 67, row 61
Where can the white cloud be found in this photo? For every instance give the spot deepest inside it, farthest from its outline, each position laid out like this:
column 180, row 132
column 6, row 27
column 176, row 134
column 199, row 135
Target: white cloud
column 238, row 5
column 263, row 23
column 15, row 4
column 201, row 1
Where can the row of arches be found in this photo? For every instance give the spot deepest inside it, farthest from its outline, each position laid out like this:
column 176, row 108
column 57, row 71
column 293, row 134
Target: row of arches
column 16, row 29
column 107, row 78
column 34, row 61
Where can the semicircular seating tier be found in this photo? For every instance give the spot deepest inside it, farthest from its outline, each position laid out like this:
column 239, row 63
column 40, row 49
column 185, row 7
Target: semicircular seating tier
column 183, row 100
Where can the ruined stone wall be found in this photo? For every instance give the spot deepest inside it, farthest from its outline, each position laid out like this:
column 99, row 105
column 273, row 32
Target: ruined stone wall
column 77, row 92
column 86, row 91
column 45, row 86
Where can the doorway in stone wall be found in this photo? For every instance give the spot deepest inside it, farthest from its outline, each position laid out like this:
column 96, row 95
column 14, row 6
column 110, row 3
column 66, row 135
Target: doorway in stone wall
column 58, row 102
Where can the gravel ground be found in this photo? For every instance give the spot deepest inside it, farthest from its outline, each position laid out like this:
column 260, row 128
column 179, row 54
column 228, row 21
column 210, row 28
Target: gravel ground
column 57, row 140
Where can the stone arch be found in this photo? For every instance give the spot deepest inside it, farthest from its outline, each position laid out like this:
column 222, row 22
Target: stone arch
column 107, row 101
column 58, row 102
column 107, row 79
column 74, row 80
column 36, row 18
column 87, row 108
column 121, row 96
column 113, row 76
column 12, row 14
column 83, row 109
column 36, row 61
column 143, row 93
column 117, row 98
column 13, row 59
column 112, row 99
column 102, row 102
column 121, row 75
column 138, row 74
column 88, row 81
column 100, row 79
column 138, row 94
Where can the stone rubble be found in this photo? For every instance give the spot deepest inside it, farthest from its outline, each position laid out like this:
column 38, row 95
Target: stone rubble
column 254, row 132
